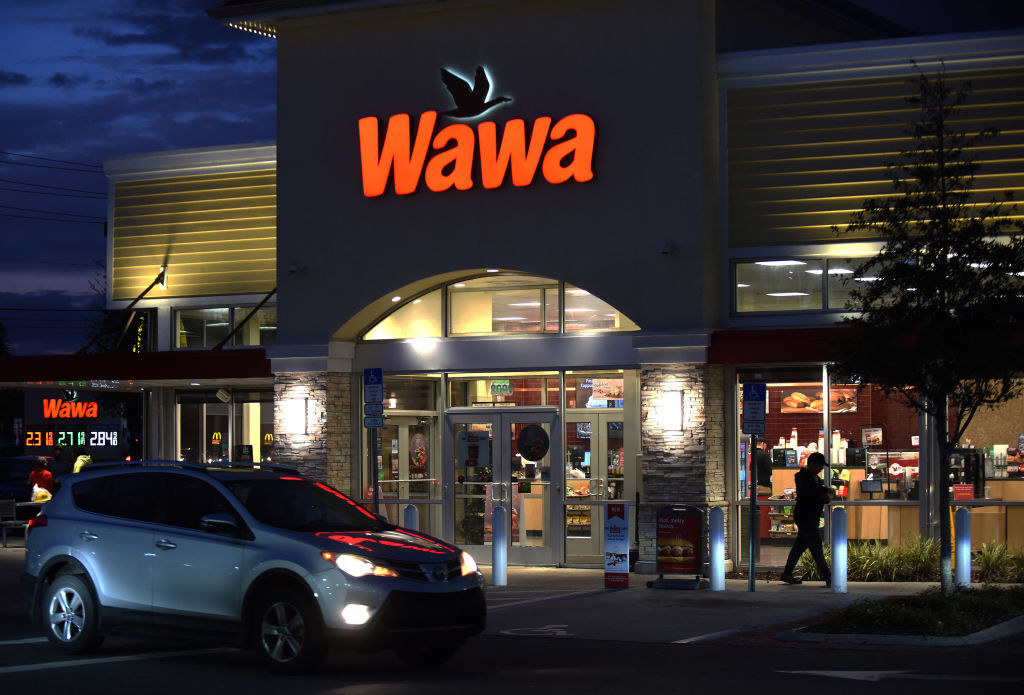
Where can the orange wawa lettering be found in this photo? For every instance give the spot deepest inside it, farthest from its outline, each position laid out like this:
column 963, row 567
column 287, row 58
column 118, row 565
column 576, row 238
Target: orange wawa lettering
column 58, row 408
column 405, row 158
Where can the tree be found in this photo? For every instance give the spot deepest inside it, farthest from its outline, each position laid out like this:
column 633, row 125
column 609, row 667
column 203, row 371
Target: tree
column 939, row 308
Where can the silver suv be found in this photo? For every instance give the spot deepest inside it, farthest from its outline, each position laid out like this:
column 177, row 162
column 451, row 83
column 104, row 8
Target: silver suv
column 246, row 554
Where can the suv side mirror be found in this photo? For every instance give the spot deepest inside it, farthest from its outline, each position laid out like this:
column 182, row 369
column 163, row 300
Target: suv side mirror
column 219, row 523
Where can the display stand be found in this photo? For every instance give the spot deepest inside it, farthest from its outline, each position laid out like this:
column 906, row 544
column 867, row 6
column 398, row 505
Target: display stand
column 680, row 547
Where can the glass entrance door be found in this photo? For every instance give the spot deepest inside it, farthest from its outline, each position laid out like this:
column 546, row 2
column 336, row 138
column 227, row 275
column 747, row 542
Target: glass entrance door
column 595, row 474
column 506, row 464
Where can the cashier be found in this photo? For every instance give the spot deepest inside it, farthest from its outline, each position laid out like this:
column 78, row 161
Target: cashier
column 763, row 466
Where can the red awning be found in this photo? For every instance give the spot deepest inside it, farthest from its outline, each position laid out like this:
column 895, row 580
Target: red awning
column 778, row 345
column 183, row 364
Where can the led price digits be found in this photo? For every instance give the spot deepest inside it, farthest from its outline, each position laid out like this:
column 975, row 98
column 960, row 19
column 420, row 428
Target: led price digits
column 103, row 438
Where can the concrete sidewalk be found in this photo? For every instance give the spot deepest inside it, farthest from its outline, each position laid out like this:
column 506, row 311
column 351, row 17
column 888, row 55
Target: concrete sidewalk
column 574, row 603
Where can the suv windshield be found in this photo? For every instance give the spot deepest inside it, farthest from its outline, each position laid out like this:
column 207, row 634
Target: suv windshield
column 298, row 504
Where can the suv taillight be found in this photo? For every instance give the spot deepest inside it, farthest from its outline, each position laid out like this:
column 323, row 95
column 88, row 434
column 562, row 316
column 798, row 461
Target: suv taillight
column 35, row 522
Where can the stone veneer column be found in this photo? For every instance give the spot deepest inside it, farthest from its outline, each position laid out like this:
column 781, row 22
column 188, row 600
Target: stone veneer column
column 320, row 404
column 684, row 467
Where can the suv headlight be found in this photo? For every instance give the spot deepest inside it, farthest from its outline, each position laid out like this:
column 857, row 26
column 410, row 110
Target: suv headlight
column 359, row 566
column 467, row 564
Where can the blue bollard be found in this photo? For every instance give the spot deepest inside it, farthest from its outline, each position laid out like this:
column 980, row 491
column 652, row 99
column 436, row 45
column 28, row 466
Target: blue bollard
column 716, row 539
column 962, row 528
column 839, row 550
column 411, row 517
column 499, row 543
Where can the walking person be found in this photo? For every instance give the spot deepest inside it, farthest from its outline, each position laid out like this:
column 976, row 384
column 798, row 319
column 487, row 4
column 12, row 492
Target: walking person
column 40, row 477
column 811, row 498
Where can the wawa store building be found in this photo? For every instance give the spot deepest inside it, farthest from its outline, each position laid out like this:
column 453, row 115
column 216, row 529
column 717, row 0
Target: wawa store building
column 566, row 233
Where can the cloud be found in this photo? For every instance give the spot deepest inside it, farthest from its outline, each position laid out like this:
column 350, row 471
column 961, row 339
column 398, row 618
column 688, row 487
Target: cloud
column 12, row 79
column 181, row 26
column 60, row 79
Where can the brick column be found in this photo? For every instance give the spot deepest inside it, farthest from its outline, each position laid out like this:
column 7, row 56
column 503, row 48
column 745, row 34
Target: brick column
column 312, row 425
column 680, row 467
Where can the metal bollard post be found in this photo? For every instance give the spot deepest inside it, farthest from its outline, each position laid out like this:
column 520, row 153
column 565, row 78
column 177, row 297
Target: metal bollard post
column 499, row 541
column 962, row 528
column 839, row 550
column 411, row 517
column 716, row 539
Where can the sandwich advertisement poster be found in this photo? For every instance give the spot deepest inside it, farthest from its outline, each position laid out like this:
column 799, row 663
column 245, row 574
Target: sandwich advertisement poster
column 679, row 540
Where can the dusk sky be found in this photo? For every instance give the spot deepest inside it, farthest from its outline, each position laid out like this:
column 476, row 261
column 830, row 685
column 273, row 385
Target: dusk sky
column 82, row 81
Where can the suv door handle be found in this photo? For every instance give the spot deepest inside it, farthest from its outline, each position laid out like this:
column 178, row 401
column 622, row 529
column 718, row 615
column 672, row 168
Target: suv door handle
column 88, row 536
column 165, row 544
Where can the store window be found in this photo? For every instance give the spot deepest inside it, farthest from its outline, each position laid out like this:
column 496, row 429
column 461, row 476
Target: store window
column 585, row 312
column 503, row 390
column 500, row 304
column 200, row 328
column 258, row 329
column 420, row 318
column 795, row 284
column 869, row 439
column 206, row 328
column 503, row 304
column 408, row 456
column 225, row 426
column 595, row 391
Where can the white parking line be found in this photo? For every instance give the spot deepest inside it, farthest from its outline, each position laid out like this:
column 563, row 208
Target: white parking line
column 111, row 660
column 545, row 597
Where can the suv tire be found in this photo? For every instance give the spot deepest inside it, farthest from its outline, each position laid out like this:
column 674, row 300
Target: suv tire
column 71, row 615
column 289, row 635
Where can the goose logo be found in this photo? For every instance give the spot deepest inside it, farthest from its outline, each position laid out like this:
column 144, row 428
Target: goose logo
column 457, row 155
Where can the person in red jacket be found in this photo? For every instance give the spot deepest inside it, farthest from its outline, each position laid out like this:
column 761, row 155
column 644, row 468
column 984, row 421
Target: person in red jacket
column 40, row 476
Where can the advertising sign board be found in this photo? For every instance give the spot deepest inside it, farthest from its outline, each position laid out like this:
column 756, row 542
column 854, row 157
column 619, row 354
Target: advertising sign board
column 616, row 546
column 680, row 544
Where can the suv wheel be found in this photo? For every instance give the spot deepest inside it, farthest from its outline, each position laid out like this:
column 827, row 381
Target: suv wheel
column 289, row 636
column 71, row 616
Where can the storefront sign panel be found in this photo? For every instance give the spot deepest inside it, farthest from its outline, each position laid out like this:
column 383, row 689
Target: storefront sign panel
column 616, row 546
column 679, row 539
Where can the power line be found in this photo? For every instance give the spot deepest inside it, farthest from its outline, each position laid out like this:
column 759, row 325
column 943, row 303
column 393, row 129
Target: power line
column 51, row 212
column 62, row 195
column 47, row 159
column 56, row 188
column 48, row 166
column 51, row 219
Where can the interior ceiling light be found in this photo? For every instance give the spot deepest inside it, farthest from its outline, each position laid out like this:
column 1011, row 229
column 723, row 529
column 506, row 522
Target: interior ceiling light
column 577, row 292
column 779, row 263
column 787, row 294
column 509, row 318
column 525, row 304
column 459, row 284
column 493, row 270
column 742, row 284
column 416, row 301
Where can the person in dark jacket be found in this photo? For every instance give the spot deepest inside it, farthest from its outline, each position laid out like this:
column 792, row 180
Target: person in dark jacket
column 811, row 498
column 763, row 466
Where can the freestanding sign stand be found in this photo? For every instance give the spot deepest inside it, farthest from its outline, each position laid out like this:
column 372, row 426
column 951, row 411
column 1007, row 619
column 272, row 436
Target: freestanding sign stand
column 616, row 546
column 680, row 547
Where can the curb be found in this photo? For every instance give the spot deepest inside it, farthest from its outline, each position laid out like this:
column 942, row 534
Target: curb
column 989, row 634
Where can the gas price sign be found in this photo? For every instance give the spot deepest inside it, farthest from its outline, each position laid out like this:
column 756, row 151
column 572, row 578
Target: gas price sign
column 40, row 439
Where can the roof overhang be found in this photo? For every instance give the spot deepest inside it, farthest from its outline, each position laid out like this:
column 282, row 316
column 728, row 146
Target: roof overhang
column 153, row 368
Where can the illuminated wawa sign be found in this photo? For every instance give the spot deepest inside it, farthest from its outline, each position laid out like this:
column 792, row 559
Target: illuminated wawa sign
column 563, row 150
column 59, row 408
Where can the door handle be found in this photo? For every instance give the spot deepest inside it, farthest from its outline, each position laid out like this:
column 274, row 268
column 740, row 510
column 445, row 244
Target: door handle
column 88, row 536
column 497, row 492
column 165, row 544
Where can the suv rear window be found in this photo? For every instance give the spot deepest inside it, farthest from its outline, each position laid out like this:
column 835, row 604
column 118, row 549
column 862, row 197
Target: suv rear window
column 298, row 504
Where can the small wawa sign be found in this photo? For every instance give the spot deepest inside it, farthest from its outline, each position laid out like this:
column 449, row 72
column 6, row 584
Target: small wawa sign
column 561, row 150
